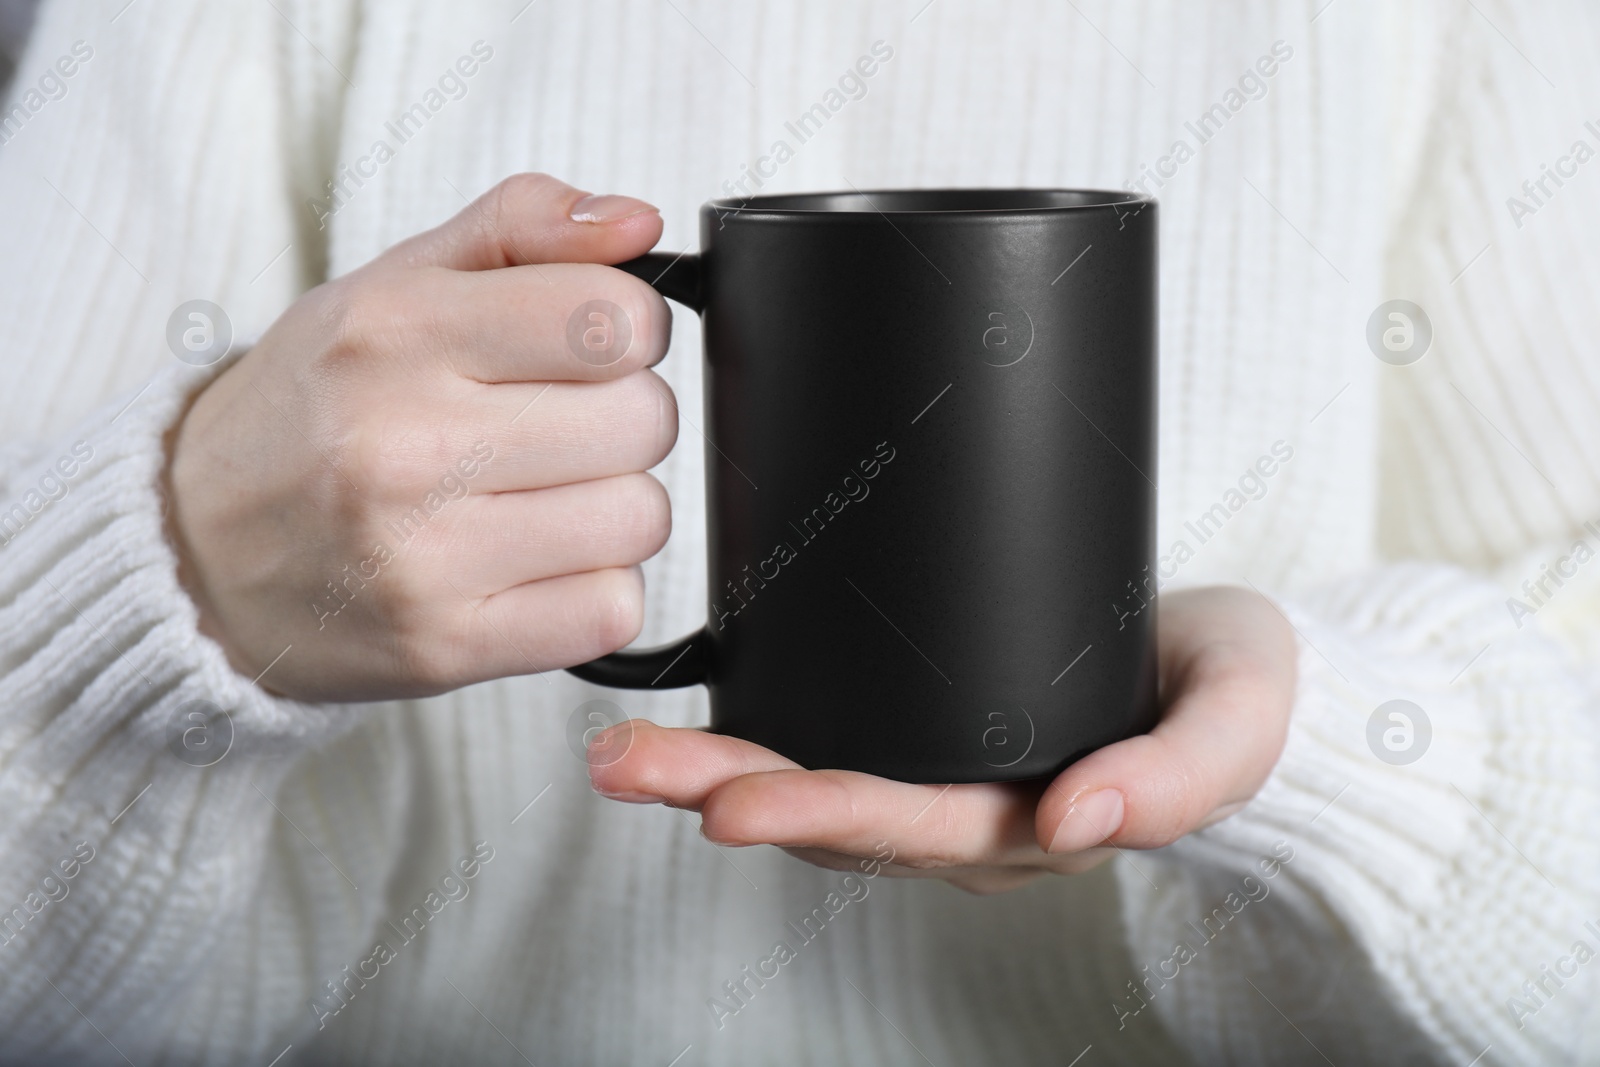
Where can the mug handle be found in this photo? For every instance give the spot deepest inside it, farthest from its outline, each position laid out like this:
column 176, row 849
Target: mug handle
column 683, row 662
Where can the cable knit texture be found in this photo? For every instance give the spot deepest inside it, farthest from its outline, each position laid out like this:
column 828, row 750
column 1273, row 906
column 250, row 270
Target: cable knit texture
column 1358, row 911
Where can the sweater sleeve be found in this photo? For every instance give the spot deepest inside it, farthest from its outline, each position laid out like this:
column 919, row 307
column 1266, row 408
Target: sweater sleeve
column 1420, row 860
column 1418, row 880
column 162, row 810
column 183, row 855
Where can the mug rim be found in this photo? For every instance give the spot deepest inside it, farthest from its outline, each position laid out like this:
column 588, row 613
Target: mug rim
column 1048, row 200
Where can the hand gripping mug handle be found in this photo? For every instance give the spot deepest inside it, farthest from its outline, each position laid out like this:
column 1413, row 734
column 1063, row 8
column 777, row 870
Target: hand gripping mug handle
column 683, row 662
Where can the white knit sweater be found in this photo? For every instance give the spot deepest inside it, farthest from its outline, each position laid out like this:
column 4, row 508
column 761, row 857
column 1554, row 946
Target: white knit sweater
column 160, row 912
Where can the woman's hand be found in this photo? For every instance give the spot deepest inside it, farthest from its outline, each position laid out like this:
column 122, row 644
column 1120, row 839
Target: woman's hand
column 429, row 472
column 1227, row 678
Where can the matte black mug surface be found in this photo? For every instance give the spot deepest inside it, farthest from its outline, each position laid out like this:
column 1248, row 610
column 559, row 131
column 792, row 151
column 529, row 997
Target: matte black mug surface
column 930, row 426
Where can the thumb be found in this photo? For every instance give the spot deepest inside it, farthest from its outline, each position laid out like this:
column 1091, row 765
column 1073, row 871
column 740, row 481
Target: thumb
column 1209, row 755
column 534, row 218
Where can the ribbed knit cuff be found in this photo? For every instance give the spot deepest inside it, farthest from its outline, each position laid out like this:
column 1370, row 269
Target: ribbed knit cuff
column 1408, row 867
column 96, row 633
column 198, row 807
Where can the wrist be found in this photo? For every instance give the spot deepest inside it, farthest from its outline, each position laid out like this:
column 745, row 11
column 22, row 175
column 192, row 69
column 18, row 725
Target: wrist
column 188, row 489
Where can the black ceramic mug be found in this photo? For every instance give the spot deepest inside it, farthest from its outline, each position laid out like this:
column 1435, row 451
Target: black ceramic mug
column 930, row 426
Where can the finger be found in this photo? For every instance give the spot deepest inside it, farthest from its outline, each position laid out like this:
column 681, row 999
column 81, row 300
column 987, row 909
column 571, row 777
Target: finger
column 1065, row 864
column 678, row 767
column 495, row 541
column 748, row 795
column 534, row 218
column 563, row 432
column 559, row 321
column 483, row 439
column 541, row 626
column 1040, row 863
column 860, row 814
column 1210, row 753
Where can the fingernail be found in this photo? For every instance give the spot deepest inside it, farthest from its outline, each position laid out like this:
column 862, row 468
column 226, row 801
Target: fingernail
column 629, row 796
column 608, row 208
column 1095, row 817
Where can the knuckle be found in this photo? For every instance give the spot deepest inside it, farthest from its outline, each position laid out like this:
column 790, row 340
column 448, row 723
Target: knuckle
column 416, row 463
column 403, row 605
column 1229, row 673
column 639, row 412
column 664, row 417
column 371, row 461
column 617, row 608
column 647, row 511
column 519, row 198
column 926, row 860
column 1162, row 829
column 514, row 195
column 942, row 841
column 399, row 317
column 947, row 838
column 649, row 320
column 358, row 317
column 1186, row 796
column 429, row 646
column 635, row 321
column 401, row 460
